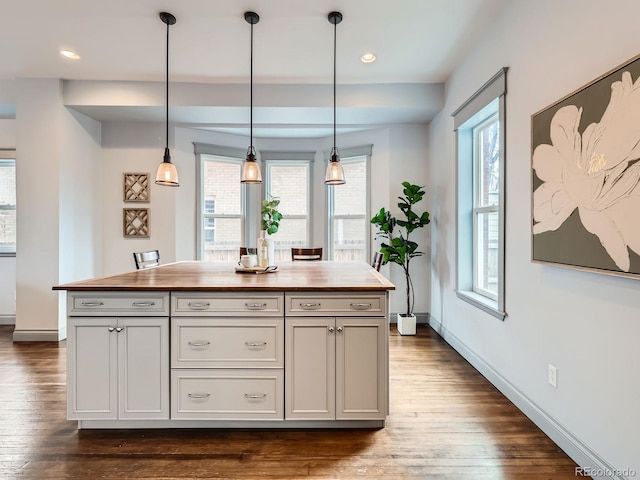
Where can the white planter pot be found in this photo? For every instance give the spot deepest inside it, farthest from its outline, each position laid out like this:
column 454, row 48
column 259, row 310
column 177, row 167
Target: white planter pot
column 406, row 324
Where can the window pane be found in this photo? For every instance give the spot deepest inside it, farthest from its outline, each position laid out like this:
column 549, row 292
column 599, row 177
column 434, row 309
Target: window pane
column 223, row 243
column 348, row 225
column 7, row 206
column 348, row 239
column 487, row 144
column 351, row 198
column 486, row 252
column 222, row 186
column 222, row 219
column 292, row 233
column 290, row 183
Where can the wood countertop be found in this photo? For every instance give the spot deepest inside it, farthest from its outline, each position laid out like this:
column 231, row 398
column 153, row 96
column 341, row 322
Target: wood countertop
column 217, row 276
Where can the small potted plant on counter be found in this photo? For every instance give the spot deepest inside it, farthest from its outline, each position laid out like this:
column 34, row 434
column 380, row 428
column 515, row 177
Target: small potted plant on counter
column 400, row 249
column 269, row 223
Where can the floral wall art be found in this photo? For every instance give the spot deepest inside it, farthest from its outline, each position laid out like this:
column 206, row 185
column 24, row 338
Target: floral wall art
column 586, row 191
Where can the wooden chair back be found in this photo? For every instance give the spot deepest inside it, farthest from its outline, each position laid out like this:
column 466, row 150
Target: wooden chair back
column 147, row 259
column 377, row 261
column 307, row 254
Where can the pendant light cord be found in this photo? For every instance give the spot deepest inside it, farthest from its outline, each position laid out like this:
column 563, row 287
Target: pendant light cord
column 167, row 92
column 251, row 94
column 335, row 30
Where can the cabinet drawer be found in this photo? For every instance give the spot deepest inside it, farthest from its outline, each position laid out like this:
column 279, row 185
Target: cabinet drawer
column 227, row 394
column 102, row 304
column 227, row 342
column 227, row 304
column 338, row 304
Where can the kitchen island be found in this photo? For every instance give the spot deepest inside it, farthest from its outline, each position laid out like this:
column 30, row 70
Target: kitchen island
column 197, row 345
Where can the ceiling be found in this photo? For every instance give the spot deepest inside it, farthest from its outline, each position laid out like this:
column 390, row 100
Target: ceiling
column 417, row 44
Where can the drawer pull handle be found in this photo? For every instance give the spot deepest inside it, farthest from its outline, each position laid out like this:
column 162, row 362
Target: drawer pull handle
column 255, row 344
column 199, row 305
column 255, row 306
column 92, row 304
column 253, row 396
column 198, row 395
column 310, row 306
column 144, row 304
column 199, row 344
column 360, row 306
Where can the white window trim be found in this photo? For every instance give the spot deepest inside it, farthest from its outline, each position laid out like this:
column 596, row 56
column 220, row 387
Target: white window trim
column 224, row 154
column 277, row 157
column 347, row 155
column 494, row 90
column 9, row 154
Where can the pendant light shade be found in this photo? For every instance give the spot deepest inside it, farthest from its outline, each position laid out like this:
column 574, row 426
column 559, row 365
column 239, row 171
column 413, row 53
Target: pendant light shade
column 251, row 168
column 167, row 173
column 335, row 173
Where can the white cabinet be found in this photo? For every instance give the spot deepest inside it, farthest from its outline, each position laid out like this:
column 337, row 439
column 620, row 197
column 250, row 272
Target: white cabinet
column 117, row 368
column 227, row 356
column 336, row 368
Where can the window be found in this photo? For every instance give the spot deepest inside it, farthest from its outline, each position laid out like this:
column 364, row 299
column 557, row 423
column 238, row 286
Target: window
column 289, row 180
column 221, row 201
column 480, row 127
column 349, row 227
column 7, row 205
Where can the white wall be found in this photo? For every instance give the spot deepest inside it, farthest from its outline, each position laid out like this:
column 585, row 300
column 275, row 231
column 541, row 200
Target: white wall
column 7, row 264
column 586, row 324
column 57, row 219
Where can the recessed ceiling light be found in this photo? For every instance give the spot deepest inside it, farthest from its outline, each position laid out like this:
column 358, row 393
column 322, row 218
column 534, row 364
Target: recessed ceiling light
column 368, row 58
column 70, row 54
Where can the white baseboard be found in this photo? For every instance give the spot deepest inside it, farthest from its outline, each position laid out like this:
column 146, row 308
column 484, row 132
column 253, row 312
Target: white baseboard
column 421, row 318
column 35, row 335
column 572, row 446
column 7, row 319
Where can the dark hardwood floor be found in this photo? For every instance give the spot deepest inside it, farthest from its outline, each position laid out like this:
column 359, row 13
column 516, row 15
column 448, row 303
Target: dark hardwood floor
column 446, row 422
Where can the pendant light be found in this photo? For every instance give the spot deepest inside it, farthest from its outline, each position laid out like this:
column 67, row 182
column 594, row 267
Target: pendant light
column 251, row 168
column 167, row 174
column 335, row 173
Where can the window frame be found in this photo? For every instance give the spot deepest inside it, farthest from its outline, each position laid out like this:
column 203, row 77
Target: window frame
column 488, row 101
column 351, row 155
column 280, row 158
column 222, row 154
column 8, row 158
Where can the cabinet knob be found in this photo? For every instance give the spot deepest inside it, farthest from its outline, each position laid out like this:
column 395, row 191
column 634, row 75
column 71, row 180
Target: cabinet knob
column 310, row 306
column 143, row 304
column 198, row 395
column 340, row 329
column 92, row 304
column 255, row 306
column 119, row 329
column 199, row 305
column 360, row 306
column 331, row 329
column 253, row 396
column 111, row 329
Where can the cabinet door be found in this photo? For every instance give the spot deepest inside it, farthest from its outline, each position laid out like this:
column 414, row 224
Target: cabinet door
column 361, row 386
column 92, row 369
column 310, row 368
column 143, row 361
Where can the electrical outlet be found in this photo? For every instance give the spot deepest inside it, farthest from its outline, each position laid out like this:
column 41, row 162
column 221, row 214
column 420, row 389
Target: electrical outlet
column 553, row 376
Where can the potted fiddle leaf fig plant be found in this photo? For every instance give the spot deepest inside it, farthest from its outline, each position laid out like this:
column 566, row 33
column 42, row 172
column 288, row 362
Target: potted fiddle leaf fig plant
column 398, row 248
